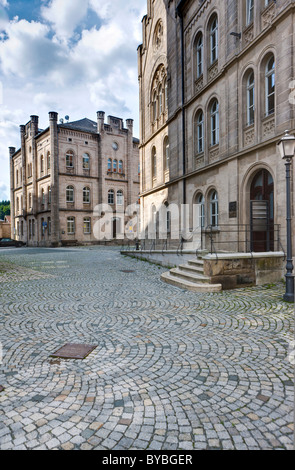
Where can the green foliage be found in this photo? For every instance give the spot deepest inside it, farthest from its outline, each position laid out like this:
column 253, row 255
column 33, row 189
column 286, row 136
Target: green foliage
column 4, row 209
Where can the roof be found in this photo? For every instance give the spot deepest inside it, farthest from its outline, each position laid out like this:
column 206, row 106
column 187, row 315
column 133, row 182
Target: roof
column 86, row 125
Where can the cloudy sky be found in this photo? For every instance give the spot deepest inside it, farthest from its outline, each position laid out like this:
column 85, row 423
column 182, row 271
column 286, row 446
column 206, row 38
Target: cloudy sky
column 74, row 57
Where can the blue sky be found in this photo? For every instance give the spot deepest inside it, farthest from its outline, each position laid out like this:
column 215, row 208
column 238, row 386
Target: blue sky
column 74, row 57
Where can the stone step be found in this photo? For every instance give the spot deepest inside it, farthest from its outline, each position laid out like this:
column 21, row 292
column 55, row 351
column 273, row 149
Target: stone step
column 194, row 269
column 192, row 277
column 196, row 262
column 190, row 285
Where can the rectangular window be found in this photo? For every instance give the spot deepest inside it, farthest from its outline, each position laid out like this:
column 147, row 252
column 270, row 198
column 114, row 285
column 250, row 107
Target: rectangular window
column 87, row 225
column 70, row 225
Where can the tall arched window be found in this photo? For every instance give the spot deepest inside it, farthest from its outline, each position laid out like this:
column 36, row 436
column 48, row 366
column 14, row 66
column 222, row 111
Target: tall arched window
column 120, row 166
column 166, row 94
column 86, row 161
column 109, row 165
column 214, row 209
column 120, row 199
column 42, row 163
column 200, row 132
column 115, row 166
column 43, row 197
column 214, row 121
column 154, row 104
column 250, row 11
column 154, row 163
column 48, row 161
column 213, row 39
column 69, row 194
column 111, row 197
column 199, row 55
column 86, row 195
column 70, row 159
column 49, row 195
column 160, row 100
column 270, row 86
column 250, row 99
column 166, row 153
column 201, row 210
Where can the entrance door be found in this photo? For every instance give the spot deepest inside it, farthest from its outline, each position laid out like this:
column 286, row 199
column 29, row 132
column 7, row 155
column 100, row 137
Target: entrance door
column 116, row 227
column 262, row 212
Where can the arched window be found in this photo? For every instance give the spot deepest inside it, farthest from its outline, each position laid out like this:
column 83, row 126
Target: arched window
column 70, row 194
column 213, row 39
column 154, row 105
column 48, row 161
column 166, row 153
column 270, row 86
column 111, row 196
column 250, row 99
column 49, row 195
column 200, row 132
column 214, row 209
column 160, row 100
column 16, row 177
column 43, row 197
column 86, row 161
column 86, row 195
column 70, row 159
column 42, row 163
column 166, row 95
column 17, row 204
column 214, row 121
column 120, row 199
column 154, row 163
column 109, row 165
column 120, row 166
column 70, row 225
column 30, row 200
column 199, row 55
column 250, row 11
column 115, row 166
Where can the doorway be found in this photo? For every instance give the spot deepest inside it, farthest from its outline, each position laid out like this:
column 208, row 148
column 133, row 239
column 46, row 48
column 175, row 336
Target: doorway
column 262, row 212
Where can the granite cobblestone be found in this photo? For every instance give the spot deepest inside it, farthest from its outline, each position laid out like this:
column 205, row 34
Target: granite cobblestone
column 172, row 369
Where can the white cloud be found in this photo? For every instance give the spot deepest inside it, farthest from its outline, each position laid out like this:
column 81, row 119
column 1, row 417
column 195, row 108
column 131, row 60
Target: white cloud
column 45, row 66
column 65, row 15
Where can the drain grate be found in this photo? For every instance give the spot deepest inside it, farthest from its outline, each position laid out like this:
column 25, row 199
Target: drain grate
column 74, row 351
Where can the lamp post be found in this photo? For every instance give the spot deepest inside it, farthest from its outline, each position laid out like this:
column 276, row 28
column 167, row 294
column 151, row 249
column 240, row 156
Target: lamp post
column 287, row 150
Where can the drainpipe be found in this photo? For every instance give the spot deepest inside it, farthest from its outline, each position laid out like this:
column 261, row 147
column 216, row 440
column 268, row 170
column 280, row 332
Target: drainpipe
column 179, row 13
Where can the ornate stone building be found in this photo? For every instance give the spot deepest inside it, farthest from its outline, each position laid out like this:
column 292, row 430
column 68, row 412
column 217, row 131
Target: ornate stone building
column 216, row 86
column 63, row 175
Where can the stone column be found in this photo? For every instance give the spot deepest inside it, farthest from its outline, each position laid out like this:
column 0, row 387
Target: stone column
column 55, row 231
column 11, row 153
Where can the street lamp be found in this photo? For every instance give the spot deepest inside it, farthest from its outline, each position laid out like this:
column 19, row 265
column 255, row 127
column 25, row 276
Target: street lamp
column 287, row 150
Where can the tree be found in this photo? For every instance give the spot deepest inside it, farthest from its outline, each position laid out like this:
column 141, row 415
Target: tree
column 4, row 209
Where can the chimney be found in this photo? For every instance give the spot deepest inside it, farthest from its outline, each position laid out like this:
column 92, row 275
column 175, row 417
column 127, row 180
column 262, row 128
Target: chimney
column 129, row 124
column 34, row 124
column 100, row 121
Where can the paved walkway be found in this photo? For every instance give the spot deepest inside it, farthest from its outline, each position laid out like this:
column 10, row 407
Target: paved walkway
column 172, row 369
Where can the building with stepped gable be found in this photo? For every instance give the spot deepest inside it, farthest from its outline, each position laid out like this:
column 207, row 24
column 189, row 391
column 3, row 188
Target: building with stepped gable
column 66, row 177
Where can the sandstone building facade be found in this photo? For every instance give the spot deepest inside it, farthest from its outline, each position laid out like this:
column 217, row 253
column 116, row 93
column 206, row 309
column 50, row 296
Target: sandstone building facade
column 65, row 177
column 216, row 85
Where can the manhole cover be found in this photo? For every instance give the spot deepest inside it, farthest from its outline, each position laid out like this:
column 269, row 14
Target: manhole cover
column 74, row 351
column 1, row 388
column 127, row 271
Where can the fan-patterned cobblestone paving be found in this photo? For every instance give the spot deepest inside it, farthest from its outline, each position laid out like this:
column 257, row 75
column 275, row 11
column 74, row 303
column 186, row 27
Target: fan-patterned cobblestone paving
column 172, row 369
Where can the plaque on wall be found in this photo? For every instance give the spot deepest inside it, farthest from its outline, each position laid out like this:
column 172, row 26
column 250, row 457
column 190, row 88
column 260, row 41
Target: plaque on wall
column 233, row 210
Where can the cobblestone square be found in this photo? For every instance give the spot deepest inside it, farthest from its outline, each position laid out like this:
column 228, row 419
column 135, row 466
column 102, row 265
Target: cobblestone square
column 171, row 370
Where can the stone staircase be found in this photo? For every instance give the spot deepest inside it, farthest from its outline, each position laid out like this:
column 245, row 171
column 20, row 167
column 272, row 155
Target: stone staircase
column 191, row 276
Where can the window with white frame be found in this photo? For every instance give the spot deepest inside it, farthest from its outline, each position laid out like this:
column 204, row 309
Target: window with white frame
column 214, row 120
column 199, row 55
column 111, row 196
column 214, row 209
column 250, row 11
column 250, row 99
column 87, row 225
column 200, row 132
column 70, row 193
column 86, row 195
column 270, row 86
column 86, row 161
column 120, row 198
column 70, row 159
column 70, row 225
column 213, row 40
